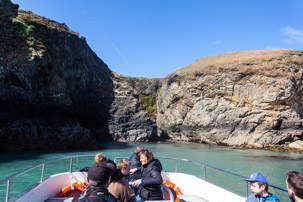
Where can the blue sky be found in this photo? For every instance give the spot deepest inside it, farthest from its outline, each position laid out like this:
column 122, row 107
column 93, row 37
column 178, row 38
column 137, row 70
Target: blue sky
column 153, row 38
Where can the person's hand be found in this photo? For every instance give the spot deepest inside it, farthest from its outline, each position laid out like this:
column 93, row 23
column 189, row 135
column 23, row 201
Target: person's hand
column 137, row 183
column 133, row 170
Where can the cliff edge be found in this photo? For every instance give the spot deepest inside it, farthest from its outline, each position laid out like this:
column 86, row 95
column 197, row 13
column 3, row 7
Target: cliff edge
column 251, row 98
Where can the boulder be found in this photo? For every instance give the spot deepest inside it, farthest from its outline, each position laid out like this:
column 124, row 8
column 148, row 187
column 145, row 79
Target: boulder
column 296, row 145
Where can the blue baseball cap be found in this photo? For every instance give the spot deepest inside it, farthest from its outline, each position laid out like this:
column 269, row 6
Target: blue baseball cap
column 257, row 177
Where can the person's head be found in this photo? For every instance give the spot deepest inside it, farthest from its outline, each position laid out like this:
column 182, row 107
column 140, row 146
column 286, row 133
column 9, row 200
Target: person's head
column 294, row 184
column 258, row 187
column 138, row 149
column 258, row 183
column 124, row 166
column 109, row 164
column 145, row 156
column 116, row 175
column 99, row 157
column 99, row 175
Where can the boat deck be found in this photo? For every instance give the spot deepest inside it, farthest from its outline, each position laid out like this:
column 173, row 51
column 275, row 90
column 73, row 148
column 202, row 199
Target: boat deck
column 66, row 199
column 190, row 198
column 185, row 198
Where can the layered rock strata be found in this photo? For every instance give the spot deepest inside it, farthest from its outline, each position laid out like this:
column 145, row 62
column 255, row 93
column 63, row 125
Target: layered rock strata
column 132, row 113
column 248, row 98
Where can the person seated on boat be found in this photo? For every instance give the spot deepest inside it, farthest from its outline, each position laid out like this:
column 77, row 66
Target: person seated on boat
column 294, row 184
column 99, row 176
column 124, row 166
column 135, row 164
column 99, row 157
column 259, row 189
column 119, row 187
column 151, row 179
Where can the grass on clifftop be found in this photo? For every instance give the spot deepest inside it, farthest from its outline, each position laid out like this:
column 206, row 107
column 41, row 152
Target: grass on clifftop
column 30, row 17
column 273, row 63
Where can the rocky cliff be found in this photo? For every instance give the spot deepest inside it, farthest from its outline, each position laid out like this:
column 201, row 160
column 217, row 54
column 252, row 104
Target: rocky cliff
column 237, row 99
column 133, row 111
column 55, row 93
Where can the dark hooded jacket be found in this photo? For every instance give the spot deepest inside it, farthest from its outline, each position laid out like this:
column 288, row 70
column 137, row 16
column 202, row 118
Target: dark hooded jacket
column 135, row 163
column 98, row 195
column 151, row 180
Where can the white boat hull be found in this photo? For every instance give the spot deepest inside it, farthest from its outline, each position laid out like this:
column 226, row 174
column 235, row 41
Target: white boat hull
column 50, row 187
column 193, row 188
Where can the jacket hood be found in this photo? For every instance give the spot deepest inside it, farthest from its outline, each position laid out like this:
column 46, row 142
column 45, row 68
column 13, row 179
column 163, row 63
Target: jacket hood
column 154, row 164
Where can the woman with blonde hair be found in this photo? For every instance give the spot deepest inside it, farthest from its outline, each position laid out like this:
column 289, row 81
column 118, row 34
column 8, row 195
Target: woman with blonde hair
column 99, row 157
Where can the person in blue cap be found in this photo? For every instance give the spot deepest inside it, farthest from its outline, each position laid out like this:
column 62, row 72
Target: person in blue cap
column 259, row 189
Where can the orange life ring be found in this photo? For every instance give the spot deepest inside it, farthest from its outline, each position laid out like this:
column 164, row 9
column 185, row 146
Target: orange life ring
column 75, row 186
column 173, row 187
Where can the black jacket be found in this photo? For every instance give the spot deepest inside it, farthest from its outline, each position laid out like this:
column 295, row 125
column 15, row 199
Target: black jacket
column 151, row 175
column 98, row 195
column 135, row 163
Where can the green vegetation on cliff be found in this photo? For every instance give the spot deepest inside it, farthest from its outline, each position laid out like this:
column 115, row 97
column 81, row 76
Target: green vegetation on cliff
column 149, row 103
column 145, row 89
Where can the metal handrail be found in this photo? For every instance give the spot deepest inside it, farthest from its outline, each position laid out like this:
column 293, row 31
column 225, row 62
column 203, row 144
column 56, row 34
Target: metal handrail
column 41, row 164
column 221, row 170
column 212, row 167
column 8, row 179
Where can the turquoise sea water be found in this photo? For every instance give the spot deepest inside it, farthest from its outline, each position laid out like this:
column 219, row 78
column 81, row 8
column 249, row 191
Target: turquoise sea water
column 273, row 165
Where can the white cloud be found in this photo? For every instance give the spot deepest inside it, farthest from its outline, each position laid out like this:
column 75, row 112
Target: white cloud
column 118, row 51
column 216, row 43
column 293, row 35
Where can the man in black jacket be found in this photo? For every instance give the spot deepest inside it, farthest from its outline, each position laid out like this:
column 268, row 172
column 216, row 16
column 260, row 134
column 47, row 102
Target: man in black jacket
column 135, row 163
column 98, row 178
column 135, row 166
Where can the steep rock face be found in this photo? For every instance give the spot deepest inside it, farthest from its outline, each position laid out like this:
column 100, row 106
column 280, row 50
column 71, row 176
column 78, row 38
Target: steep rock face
column 54, row 91
column 132, row 118
column 248, row 98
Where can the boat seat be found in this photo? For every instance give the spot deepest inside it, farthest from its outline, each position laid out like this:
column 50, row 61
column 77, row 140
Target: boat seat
column 185, row 198
column 60, row 199
column 191, row 198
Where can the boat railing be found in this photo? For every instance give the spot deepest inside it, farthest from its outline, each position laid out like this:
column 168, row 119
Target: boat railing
column 9, row 179
column 43, row 164
column 205, row 166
